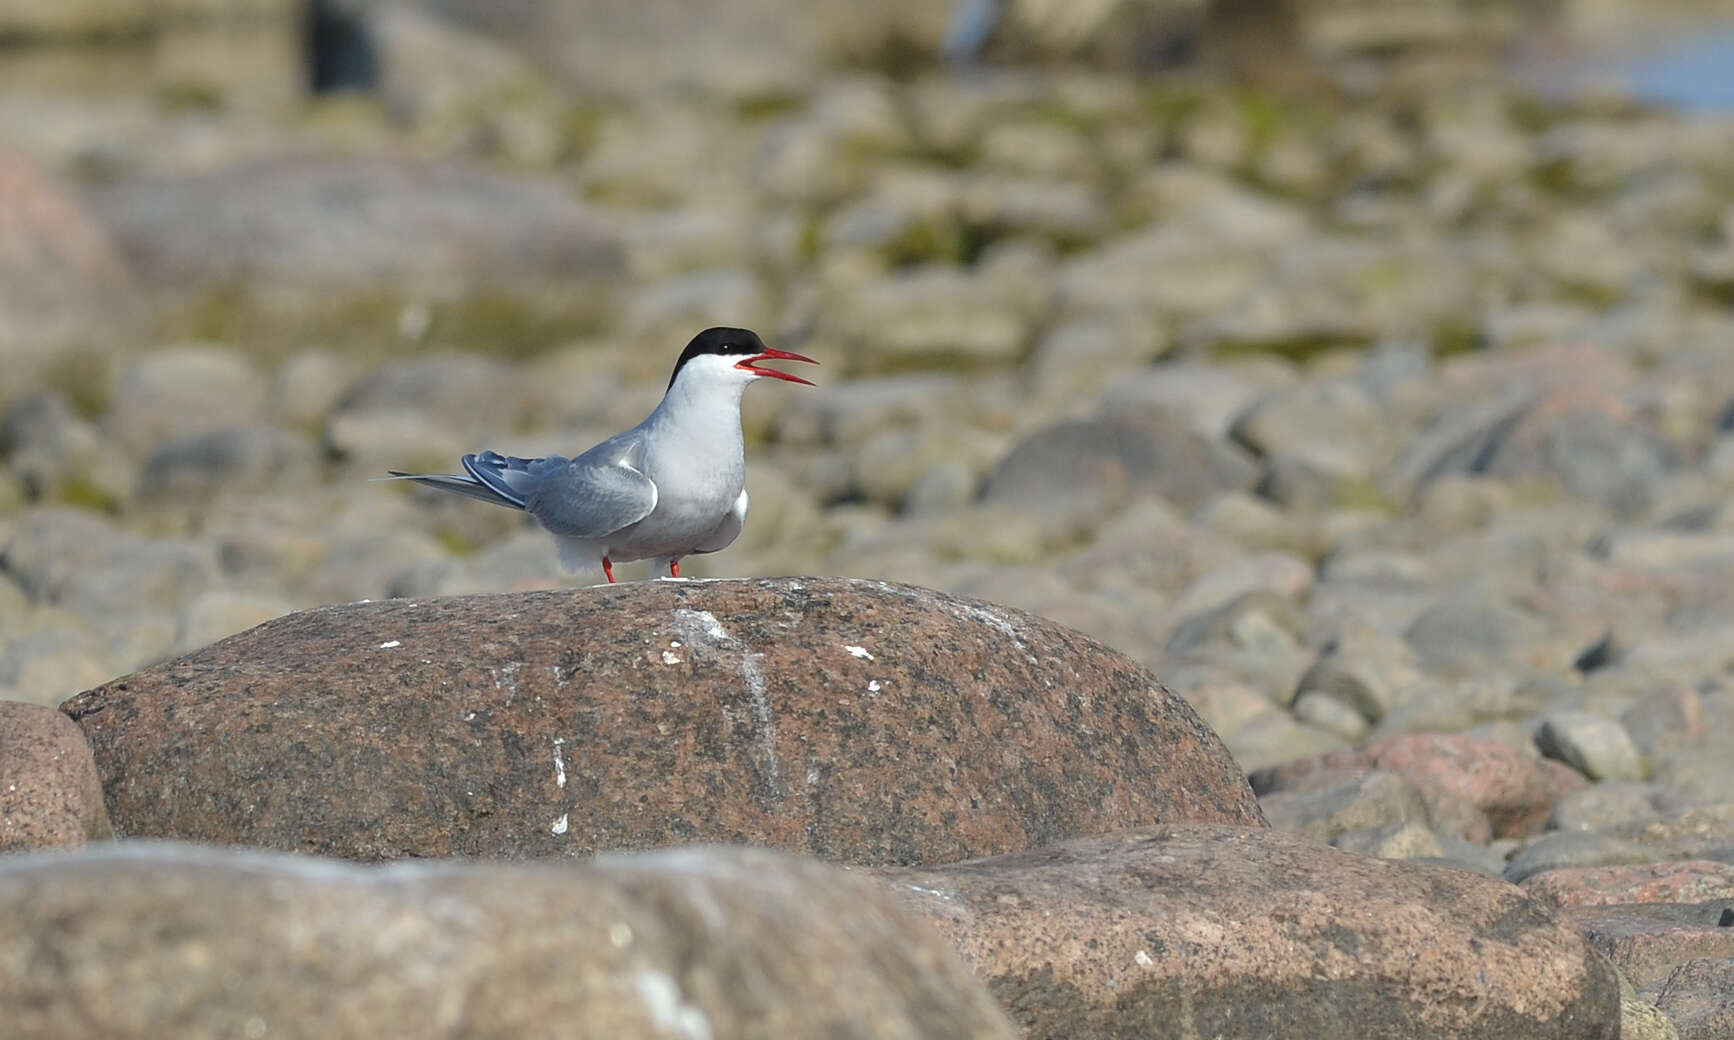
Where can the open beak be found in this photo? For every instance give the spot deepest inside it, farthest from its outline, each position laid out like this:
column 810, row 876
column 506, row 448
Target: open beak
column 752, row 365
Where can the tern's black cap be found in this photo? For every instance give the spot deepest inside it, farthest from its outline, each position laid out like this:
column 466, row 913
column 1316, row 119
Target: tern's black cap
column 719, row 340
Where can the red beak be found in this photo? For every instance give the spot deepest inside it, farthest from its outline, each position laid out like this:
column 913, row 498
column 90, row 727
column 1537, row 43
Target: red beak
column 752, row 365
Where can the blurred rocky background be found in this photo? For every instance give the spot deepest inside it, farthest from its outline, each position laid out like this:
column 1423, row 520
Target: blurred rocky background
column 1364, row 369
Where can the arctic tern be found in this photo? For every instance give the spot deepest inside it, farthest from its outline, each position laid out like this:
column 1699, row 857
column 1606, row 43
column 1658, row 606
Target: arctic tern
column 670, row 487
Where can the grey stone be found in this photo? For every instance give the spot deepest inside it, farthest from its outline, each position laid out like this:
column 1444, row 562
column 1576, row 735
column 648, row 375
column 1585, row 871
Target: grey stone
column 1557, row 849
column 324, row 225
column 1597, row 747
column 183, row 390
column 1460, row 637
column 1372, row 799
column 1604, row 805
column 1397, row 840
column 1104, row 462
column 1323, row 711
column 245, row 458
column 1364, row 670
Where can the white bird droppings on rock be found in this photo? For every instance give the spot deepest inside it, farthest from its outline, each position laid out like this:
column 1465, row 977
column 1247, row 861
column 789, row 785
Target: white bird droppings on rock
column 669, row 1011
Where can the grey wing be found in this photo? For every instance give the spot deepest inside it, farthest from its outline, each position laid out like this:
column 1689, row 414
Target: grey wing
column 591, row 496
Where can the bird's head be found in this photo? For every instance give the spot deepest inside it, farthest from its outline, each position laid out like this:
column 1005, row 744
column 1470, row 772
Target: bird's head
column 732, row 356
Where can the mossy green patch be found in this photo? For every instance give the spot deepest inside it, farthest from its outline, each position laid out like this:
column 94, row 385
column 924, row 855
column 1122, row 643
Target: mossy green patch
column 190, row 96
column 85, row 494
column 454, row 542
column 83, row 379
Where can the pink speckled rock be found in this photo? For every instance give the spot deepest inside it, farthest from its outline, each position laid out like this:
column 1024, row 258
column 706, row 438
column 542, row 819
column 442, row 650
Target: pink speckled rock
column 1687, row 881
column 1210, row 931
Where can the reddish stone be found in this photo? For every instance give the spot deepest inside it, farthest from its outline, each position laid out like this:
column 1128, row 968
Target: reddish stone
column 1647, row 941
column 1476, row 789
column 1689, row 881
column 1211, row 931
column 50, row 796
column 853, row 720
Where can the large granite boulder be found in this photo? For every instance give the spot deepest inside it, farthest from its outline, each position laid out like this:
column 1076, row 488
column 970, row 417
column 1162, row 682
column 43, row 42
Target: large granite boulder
column 1211, row 931
column 147, row 940
column 852, row 720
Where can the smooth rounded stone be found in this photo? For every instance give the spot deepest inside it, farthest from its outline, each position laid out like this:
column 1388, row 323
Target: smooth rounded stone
column 1257, row 933
column 1642, row 1020
column 1385, row 566
column 234, row 458
column 936, row 317
column 888, row 465
column 1259, row 621
column 1282, row 574
column 1457, row 638
column 1400, row 840
column 1469, row 855
column 1253, row 522
column 1371, row 799
column 947, row 484
column 342, row 224
column 461, row 392
column 55, row 452
column 1325, row 712
column 1594, row 457
column 1067, row 211
column 1276, row 737
column 759, row 701
column 1688, row 881
column 152, row 939
column 221, row 612
column 848, row 412
column 1597, row 747
column 1364, row 670
column 51, row 664
column 1202, row 272
column 1663, row 550
column 1224, row 702
column 1083, row 357
column 1459, row 705
column 62, row 282
column 1604, row 805
column 1206, row 396
column 1665, row 719
column 1557, row 849
column 391, row 563
column 1710, row 783
column 50, row 796
column 306, row 388
column 674, row 308
column 1648, row 941
column 1474, row 788
column 1329, row 424
column 1105, row 461
column 405, row 439
column 1698, row 997
column 177, row 391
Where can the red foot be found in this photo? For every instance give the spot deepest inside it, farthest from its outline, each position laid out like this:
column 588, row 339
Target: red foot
column 608, row 569
column 674, row 568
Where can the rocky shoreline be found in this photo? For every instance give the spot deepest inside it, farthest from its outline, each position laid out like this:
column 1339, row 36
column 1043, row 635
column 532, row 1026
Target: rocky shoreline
column 1389, row 426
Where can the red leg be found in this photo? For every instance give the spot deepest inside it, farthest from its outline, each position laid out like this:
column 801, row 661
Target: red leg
column 608, row 569
column 674, row 568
